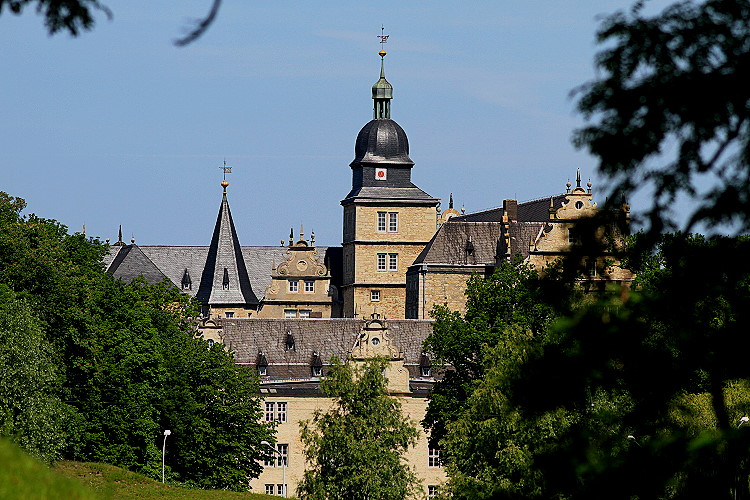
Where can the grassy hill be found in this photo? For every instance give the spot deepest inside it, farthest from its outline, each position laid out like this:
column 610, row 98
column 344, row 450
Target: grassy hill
column 22, row 477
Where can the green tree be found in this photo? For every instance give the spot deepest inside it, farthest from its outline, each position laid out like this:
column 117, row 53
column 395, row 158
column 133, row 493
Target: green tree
column 670, row 111
column 129, row 363
column 74, row 16
column 31, row 411
column 355, row 450
column 514, row 299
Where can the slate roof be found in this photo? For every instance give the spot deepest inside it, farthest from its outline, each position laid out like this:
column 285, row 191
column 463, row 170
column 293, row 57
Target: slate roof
column 462, row 243
column 382, row 141
column 130, row 262
column 248, row 337
column 528, row 211
column 172, row 261
column 224, row 278
column 374, row 193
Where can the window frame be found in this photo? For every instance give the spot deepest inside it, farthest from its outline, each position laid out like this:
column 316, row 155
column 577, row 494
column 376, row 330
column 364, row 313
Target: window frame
column 433, row 457
column 382, row 223
column 309, row 286
column 392, row 222
column 382, row 261
column 374, row 295
column 293, row 286
column 290, row 313
column 393, row 262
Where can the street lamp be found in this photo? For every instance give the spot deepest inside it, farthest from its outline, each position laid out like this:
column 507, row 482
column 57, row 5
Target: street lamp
column 163, row 452
column 283, row 464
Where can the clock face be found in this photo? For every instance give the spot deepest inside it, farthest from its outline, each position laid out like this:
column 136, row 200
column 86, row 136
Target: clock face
column 381, row 174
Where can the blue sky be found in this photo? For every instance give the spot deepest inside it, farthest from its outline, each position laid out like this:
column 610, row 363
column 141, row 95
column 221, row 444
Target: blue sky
column 119, row 126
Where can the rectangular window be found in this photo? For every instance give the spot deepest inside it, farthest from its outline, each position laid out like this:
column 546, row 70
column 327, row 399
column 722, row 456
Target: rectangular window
column 392, row 222
column 270, row 413
column 381, row 222
column 270, row 461
column 229, row 314
column 393, row 262
column 290, row 313
column 293, row 286
column 304, row 313
column 433, row 457
column 572, row 236
column 591, row 268
column 381, row 262
column 309, row 286
column 269, row 489
column 280, row 490
column 284, row 458
column 375, row 295
column 432, row 491
column 281, row 412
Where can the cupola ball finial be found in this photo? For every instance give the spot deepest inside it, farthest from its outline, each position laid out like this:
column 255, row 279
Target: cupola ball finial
column 382, row 53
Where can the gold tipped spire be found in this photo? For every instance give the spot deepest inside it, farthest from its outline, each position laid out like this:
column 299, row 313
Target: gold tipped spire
column 227, row 170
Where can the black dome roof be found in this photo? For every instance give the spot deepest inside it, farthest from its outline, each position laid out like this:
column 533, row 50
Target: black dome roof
column 382, row 141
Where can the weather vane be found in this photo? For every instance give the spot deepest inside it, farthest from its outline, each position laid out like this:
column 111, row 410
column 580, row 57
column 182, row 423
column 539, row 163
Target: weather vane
column 383, row 37
column 227, row 169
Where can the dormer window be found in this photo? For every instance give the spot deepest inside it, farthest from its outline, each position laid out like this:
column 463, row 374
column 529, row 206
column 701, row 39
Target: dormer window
column 316, row 366
column 289, row 343
column 225, row 280
column 425, row 366
column 187, row 283
column 262, row 364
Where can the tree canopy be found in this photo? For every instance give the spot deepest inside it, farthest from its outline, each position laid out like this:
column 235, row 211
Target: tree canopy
column 669, row 112
column 125, row 360
column 355, row 450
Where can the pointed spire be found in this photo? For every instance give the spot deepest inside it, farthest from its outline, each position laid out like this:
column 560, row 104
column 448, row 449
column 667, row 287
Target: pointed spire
column 382, row 91
column 578, row 178
column 119, row 243
column 225, row 279
column 450, row 203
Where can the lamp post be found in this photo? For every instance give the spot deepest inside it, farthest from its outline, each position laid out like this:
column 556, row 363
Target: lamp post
column 283, row 464
column 163, row 452
column 738, row 490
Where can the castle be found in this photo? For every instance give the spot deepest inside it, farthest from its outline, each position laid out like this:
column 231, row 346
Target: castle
column 285, row 311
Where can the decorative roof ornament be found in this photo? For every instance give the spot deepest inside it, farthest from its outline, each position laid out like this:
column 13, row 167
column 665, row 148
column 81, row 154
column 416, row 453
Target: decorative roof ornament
column 119, row 243
column 227, row 170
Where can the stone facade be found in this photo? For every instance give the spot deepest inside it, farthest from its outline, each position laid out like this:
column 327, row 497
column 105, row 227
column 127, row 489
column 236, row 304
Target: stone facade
column 300, row 285
column 292, row 394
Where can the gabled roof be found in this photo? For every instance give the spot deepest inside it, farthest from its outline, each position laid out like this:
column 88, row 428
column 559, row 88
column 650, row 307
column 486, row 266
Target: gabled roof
column 324, row 337
column 462, row 243
column 172, row 261
column 225, row 279
column 528, row 211
column 130, row 262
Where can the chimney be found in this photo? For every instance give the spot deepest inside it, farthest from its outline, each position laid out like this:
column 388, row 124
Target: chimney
column 510, row 208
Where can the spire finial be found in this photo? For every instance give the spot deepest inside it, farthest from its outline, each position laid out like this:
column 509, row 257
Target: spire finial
column 382, row 91
column 227, row 170
column 383, row 40
column 578, row 178
column 450, row 203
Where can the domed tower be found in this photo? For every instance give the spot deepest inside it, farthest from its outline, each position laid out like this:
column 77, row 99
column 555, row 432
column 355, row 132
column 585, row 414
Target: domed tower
column 387, row 219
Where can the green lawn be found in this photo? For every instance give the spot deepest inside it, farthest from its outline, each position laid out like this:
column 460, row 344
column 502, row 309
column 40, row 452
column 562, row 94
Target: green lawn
column 22, row 477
